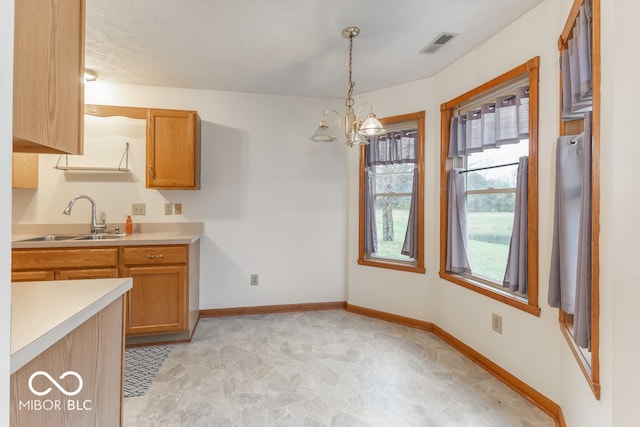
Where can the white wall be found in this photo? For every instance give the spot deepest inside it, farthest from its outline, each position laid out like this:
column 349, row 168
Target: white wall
column 6, row 123
column 271, row 202
column 532, row 348
column 621, row 204
column 407, row 294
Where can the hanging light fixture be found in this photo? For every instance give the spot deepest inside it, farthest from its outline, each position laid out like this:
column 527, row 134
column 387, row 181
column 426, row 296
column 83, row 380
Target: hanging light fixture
column 355, row 129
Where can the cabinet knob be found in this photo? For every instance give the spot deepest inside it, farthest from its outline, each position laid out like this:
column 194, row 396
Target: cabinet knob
column 151, row 172
column 158, row 256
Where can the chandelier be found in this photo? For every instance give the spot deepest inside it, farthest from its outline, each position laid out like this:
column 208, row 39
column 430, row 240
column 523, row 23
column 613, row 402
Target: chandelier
column 355, row 129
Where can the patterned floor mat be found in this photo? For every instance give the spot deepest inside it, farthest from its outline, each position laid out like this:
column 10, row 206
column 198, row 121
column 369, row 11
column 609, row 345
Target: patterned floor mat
column 141, row 364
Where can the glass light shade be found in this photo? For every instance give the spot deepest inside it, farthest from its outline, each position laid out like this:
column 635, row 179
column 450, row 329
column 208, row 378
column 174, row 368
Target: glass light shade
column 371, row 126
column 356, row 139
column 323, row 133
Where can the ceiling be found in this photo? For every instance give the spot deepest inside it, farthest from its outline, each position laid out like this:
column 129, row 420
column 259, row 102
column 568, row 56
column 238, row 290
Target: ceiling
column 284, row 47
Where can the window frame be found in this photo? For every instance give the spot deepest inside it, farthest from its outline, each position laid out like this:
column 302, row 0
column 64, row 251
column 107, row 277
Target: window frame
column 590, row 369
column 530, row 303
column 418, row 267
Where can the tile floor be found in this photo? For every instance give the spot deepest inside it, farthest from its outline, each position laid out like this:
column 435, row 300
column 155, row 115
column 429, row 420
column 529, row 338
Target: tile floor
column 325, row 368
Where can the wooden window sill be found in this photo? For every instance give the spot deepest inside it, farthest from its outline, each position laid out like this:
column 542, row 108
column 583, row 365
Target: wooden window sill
column 491, row 292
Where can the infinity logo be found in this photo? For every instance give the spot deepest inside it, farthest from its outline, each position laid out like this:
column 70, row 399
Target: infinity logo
column 55, row 383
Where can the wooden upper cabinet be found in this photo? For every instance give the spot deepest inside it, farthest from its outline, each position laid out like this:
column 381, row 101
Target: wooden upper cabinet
column 25, row 170
column 48, row 87
column 173, row 149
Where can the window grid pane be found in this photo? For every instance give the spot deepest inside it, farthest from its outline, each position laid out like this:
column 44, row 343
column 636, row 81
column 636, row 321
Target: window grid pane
column 394, row 184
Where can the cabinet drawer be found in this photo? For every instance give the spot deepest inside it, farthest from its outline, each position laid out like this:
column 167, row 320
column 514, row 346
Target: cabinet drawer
column 31, row 276
column 91, row 273
column 154, row 255
column 51, row 259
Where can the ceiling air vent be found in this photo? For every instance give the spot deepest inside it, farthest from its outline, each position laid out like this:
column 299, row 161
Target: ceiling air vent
column 440, row 40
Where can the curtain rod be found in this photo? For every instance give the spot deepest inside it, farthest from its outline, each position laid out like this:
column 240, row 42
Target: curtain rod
column 489, row 167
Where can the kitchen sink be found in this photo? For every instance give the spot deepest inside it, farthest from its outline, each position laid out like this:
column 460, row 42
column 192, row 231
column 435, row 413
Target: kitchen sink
column 53, row 237
column 62, row 237
column 101, row 237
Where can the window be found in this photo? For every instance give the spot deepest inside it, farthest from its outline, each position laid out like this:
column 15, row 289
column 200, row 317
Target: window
column 391, row 220
column 578, row 297
column 491, row 201
column 488, row 198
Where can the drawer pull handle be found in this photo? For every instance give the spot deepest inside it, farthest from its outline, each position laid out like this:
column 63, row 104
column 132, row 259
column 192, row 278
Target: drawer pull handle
column 155, row 256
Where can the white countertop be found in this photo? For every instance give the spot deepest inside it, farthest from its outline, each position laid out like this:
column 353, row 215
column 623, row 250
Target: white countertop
column 144, row 234
column 44, row 312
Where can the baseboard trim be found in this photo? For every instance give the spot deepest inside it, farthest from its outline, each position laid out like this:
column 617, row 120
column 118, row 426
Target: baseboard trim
column 532, row 395
column 269, row 309
column 394, row 318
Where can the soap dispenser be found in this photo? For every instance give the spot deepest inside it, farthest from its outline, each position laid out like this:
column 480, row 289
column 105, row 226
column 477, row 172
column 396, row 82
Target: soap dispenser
column 129, row 225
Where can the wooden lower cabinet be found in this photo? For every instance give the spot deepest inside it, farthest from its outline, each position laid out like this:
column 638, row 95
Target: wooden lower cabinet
column 156, row 303
column 163, row 304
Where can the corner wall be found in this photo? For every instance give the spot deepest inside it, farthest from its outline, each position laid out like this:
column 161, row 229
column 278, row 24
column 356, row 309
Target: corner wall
column 532, row 348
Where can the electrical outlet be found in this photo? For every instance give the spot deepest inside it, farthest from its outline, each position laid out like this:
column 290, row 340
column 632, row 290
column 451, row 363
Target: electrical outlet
column 168, row 208
column 254, row 280
column 138, row 208
column 496, row 323
column 177, row 208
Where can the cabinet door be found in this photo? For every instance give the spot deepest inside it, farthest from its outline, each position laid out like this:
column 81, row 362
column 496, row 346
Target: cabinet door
column 156, row 303
column 31, row 276
column 173, row 149
column 92, row 273
column 48, row 91
column 25, row 170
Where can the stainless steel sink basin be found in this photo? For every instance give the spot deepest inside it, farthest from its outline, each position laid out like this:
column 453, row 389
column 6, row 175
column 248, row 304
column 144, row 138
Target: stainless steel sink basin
column 61, row 237
column 53, row 238
column 101, row 237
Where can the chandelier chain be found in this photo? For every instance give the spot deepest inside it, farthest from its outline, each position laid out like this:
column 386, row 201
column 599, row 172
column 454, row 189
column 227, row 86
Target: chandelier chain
column 349, row 101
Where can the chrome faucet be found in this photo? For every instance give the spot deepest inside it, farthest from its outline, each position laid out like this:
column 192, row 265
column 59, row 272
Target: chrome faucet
column 95, row 227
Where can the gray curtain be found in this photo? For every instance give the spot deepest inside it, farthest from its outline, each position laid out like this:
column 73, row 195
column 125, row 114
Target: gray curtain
column 457, row 245
column 394, row 147
column 582, row 316
column 522, row 103
column 370, row 227
column 474, row 132
column 575, row 65
column 570, row 273
column 410, row 246
column 515, row 277
column 488, row 119
column 505, row 121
